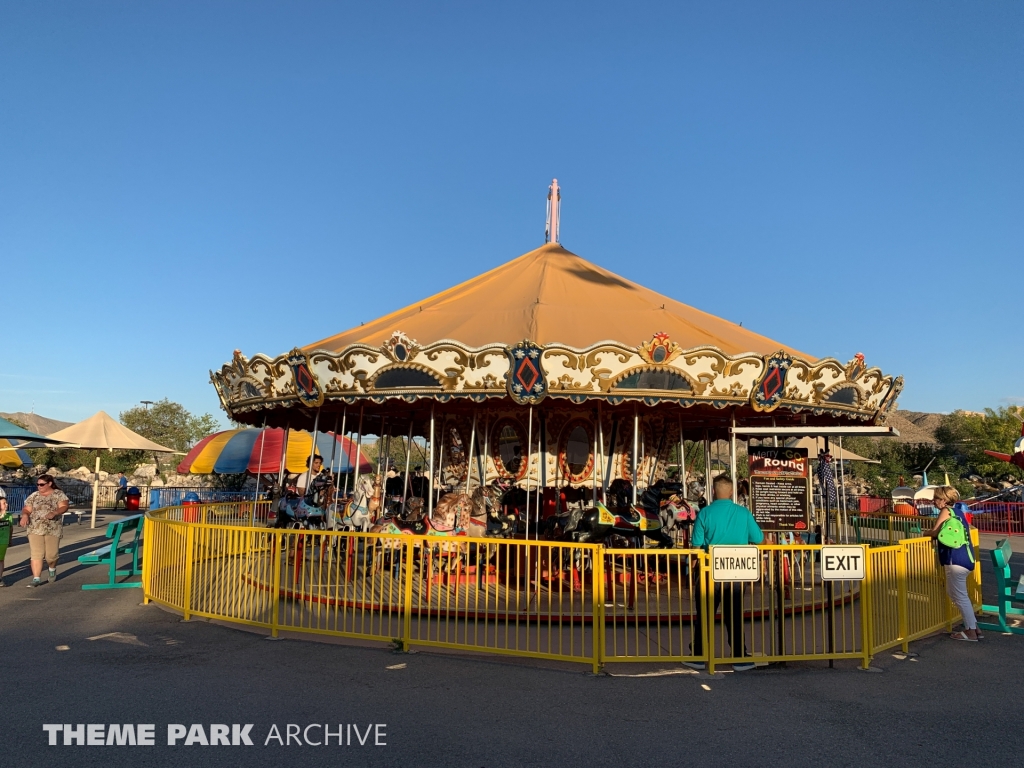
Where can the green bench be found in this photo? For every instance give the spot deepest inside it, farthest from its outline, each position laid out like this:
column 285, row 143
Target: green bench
column 107, row 555
column 1008, row 591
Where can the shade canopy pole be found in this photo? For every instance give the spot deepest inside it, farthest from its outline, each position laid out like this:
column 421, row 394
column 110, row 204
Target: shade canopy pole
column 96, row 490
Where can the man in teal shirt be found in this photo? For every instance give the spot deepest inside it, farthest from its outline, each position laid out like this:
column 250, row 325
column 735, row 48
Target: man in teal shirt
column 724, row 522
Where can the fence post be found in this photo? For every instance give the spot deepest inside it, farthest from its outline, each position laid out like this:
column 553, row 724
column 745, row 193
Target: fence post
column 147, row 561
column 408, row 555
column 190, row 541
column 276, row 592
column 902, row 598
column 597, row 611
column 707, row 607
column 865, row 610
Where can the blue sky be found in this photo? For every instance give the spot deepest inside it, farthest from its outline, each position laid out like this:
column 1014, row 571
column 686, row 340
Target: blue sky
column 183, row 179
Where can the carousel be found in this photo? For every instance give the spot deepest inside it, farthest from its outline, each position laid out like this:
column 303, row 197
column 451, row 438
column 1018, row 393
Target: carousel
column 558, row 383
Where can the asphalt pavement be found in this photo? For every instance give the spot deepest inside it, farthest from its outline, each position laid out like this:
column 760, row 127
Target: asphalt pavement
column 100, row 657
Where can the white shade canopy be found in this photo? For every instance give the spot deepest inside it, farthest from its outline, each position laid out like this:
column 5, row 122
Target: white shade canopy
column 101, row 432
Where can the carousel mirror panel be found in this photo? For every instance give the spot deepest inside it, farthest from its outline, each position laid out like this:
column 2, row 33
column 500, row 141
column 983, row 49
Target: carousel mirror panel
column 508, row 448
column 576, row 452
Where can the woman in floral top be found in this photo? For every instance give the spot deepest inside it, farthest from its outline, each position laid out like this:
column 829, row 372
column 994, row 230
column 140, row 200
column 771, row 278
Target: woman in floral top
column 43, row 514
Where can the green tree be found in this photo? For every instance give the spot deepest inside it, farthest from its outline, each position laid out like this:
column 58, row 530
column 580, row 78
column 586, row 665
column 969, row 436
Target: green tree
column 169, row 424
column 966, row 436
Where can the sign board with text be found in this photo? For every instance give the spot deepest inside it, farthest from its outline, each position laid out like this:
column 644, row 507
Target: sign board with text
column 735, row 563
column 842, row 563
column 780, row 488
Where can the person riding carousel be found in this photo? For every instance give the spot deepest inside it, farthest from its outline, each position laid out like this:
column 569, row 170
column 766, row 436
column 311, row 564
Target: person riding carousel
column 306, row 496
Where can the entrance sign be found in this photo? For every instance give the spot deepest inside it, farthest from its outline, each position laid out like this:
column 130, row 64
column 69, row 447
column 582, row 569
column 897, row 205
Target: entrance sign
column 735, row 564
column 841, row 563
column 780, row 488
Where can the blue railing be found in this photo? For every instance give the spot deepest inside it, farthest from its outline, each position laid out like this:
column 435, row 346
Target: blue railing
column 173, row 497
column 16, row 495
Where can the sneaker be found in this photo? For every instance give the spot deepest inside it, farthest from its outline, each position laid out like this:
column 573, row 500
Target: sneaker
column 700, row 666
column 743, row 666
column 34, row 583
column 3, row 583
column 51, row 575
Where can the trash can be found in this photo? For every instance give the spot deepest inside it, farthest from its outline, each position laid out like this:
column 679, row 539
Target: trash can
column 131, row 499
column 190, row 511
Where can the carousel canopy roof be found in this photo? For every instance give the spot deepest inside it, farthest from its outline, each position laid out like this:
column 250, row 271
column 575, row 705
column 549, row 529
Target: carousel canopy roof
column 551, row 295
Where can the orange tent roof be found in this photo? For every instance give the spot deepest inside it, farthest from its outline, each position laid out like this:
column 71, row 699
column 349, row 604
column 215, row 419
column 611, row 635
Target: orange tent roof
column 552, row 295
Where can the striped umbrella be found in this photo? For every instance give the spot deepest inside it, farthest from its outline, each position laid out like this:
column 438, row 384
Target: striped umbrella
column 258, row 451
column 11, row 457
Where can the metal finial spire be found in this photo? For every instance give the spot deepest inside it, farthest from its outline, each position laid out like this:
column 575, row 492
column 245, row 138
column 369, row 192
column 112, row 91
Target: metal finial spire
column 552, row 227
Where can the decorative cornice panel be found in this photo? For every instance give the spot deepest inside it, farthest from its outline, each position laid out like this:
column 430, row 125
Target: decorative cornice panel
column 578, row 375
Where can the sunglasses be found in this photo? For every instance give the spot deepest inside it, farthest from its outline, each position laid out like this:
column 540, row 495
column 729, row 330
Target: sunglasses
column 40, row 485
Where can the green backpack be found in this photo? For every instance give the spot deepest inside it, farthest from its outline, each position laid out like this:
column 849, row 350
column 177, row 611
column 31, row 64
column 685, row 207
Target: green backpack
column 953, row 534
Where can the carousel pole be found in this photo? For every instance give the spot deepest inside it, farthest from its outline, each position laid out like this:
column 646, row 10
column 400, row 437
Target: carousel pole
column 529, row 450
column 482, row 462
column 440, row 455
column 259, row 468
column 344, row 454
column 599, row 454
column 636, row 447
column 312, row 450
column 334, row 445
column 842, row 493
column 334, row 453
column 682, row 457
column 430, row 468
column 542, row 443
column 611, row 454
column 542, row 464
column 359, row 451
column 707, row 466
column 284, row 457
column 469, row 456
column 732, row 459
column 593, row 480
column 408, row 458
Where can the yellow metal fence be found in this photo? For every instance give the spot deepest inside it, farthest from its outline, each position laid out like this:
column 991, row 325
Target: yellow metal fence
column 570, row 602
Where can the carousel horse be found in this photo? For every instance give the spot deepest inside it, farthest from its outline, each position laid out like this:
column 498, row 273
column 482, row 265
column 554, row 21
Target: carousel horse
column 596, row 524
column 356, row 513
column 293, row 511
column 455, row 514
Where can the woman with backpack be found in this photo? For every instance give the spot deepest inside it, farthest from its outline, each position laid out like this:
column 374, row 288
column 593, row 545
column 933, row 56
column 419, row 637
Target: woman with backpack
column 952, row 532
